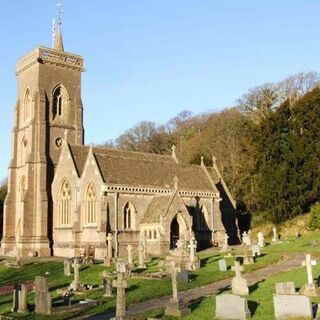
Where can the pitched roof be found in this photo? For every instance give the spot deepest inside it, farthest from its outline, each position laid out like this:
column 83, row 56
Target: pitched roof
column 144, row 169
column 156, row 208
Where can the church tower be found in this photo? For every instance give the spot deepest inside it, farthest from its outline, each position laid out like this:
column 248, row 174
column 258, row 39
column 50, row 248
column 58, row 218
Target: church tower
column 48, row 108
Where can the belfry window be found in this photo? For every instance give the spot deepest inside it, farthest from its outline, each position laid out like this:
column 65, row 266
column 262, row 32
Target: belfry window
column 65, row 203
column 59, row 103
column 90, row 204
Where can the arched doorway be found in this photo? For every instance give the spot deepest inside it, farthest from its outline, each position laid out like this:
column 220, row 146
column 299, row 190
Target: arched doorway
column 174, row 232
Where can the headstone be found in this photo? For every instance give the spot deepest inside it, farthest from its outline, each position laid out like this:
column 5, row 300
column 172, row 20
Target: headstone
column 225, row 245
column 75, row 285
column 261, row 242
column 233, row 307
column 247, row 259
column 183, row 276
column 292, row 307
column 141, row 256
column 275, row 237
column 246, row 239
column 107, row 284
column 43, row 301
column 121, row 284
column 239, row 285
column 222, row 265
column 285, row 288
column 193, row 263
column 20, row 299
column 176, row 306
column 310, row 289
column 67, row 267
column 108, row 259
column 129, row 251
column 256, row 252
column 88, row 254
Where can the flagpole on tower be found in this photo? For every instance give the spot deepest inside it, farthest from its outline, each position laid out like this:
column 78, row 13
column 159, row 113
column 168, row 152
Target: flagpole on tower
column 57, row 42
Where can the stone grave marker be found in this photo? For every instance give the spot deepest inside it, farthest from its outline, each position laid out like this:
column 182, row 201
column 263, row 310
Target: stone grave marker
column 183, row 276
column 246, row 258
column 239, row 285
column 67, row 267
column 256, row 252
column 225, row 245
column 292, row 307
column 75, row 285
column 275, row 237
column 20, row 299
column 43, row 301
column 222, row 265
column 261, row 242
column 107, row 284
column 310, row 288
column 193, row 263
column 108, row 259
column 285, row 288
column 121, row 284
column 231, row 306
column 176, row 306
column 141, row 256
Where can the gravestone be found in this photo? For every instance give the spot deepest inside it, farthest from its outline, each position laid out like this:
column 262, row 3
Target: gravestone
column 141, row 256
column 256, row 252
column 239, row 285
column 67, row 267
column 176, row 306
column 225, row 245
column 292, row 307
column 261, row 242
column 20, row 299
column 222, row 265
column 75, row 285
column 107, row 284
column 183, row 276
column 88, row 254
column 309, row 289
column 108, row 259
column 121, row 284
column 43, row 301
column 246, row 258
column 193, row 263
column 233, row 307
column 130, row 259
column 285, row 288
column 275, row 237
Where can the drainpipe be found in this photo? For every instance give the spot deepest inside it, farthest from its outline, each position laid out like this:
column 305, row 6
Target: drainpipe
column 116, row 196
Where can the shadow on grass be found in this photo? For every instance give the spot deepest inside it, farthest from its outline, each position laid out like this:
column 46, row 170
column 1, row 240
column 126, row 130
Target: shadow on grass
column 59, row 286
column 255, row 286
column 223, row 289
column 253, row 306
column 194, row 304
column 205, row 261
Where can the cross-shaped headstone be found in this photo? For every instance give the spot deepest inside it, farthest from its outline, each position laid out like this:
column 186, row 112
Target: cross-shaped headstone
column 141, row 255
column 237, row 269
column 121, row 284
column 308, row 262
column 76, row 275
column 174, row 270
column 109, row 243
column 193, row 248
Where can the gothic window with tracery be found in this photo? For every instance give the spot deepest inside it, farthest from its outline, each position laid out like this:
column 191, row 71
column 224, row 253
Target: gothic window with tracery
column 59, row 102
column 90, row 204
column 129, row 212
column 65, row 203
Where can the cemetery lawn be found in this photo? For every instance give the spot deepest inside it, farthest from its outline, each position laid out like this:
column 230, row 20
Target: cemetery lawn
column 140, row 289
column 260, row 299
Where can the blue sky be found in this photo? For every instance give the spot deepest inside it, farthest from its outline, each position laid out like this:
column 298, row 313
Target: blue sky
column 150, row 59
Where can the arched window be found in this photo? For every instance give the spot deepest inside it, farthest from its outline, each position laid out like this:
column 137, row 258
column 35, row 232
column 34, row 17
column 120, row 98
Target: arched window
column 129, row 215
column 90, row 204
column 26, row 107
column 65, row 203
column 59, row 103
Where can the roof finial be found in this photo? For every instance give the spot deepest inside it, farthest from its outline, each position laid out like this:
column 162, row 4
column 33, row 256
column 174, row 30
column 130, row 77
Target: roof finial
column 58, row 43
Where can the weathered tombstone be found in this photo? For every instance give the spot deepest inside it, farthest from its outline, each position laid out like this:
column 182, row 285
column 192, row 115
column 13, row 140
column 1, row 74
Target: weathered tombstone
column 129, row 251
column 43, row 301
column 67, row 267
column 292, row 307
column 261, row 242
column 275, row 237
column 256, row 252
column 222, row 265
column 176, row 306
column 108, row 259
column 246, row 239
column 183, row 276
column 107, row 284
column 225, row 246
column 246, row 258
column 20, row 299
column 233, row 307
column 310, row 288
column 88, row 254
column 141, row 256
column 75, row 285
column 193, row 263
column 239, row 285
column 285, row 288
column 121, row 284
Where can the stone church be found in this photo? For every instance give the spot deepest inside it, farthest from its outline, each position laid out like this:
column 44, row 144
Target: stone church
column 63, row 195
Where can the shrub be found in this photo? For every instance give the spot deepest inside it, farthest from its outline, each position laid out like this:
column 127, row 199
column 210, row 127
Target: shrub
column 314, row 222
